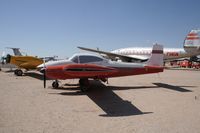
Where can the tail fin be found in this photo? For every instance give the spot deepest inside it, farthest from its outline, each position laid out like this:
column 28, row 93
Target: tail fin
column 156, row 58
column 16, row 51
column 192, row 42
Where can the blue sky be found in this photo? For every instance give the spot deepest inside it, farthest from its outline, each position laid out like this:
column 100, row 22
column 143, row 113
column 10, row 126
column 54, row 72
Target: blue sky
column 57, row 27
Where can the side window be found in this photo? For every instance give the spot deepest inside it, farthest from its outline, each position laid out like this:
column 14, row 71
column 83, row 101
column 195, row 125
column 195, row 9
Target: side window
column 87, row 59
column 75, row 59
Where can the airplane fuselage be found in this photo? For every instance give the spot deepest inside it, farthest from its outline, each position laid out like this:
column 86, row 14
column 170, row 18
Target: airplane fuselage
column 144, row 53
column 26, row 62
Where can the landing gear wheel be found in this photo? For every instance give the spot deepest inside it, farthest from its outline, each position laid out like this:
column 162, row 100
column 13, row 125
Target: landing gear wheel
column 18, row 72
column 84, row 84
column 55, row 84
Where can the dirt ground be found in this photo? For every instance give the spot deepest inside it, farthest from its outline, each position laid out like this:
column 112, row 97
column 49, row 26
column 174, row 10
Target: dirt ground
column 154, row 103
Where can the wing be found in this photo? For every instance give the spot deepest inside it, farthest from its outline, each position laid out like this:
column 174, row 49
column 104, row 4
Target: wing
column 114, row 56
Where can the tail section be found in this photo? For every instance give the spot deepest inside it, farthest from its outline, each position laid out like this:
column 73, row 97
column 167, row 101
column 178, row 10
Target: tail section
column 156, row 58
column 16, row 51
column 192, row 42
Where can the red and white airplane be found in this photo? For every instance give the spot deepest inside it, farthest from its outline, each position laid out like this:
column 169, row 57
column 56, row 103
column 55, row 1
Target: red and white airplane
column 89, row 66
column 191, row 48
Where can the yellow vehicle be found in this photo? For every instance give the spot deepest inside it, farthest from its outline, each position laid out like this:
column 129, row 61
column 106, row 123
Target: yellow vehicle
column 23, row 62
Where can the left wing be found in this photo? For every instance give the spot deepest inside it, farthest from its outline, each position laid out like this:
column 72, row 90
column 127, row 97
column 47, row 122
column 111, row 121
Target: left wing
column 114, row 56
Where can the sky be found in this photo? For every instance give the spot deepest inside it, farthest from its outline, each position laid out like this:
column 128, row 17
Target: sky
column 57, row 27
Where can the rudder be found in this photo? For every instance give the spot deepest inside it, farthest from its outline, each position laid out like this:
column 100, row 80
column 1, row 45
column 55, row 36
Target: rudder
column 156, row 58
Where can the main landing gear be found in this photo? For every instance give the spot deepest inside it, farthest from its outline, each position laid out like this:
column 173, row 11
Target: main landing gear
column 18, row 72
column 83, row 82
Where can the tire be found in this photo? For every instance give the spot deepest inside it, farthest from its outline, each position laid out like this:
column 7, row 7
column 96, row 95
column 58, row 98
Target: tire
column 19, row 72
column 84, row 84
column 55, row 85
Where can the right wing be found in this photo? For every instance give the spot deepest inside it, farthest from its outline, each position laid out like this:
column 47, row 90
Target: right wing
column 114, row 56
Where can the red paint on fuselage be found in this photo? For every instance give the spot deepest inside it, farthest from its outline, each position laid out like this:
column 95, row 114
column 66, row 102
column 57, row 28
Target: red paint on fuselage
column 73, row 71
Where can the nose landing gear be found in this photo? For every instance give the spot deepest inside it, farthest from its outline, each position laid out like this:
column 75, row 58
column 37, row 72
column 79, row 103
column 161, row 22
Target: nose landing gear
column 55, row 84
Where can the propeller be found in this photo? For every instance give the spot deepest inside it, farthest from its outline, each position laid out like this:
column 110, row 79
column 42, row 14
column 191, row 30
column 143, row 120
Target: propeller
column 44, row 78
column 3, row 58
column 44, row 74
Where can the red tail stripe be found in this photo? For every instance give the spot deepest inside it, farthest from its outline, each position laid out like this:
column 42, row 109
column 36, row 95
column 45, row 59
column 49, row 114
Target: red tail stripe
column 192, row 38
column 192, row 34
column 157, row 51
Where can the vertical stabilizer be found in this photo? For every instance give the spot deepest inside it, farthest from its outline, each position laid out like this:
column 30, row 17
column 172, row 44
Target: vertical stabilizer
column 192, row 42
column 156, row 58
column 16, row 51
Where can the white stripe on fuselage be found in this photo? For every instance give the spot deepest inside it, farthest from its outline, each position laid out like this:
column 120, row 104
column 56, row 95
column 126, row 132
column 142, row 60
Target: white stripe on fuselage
column 144, row 53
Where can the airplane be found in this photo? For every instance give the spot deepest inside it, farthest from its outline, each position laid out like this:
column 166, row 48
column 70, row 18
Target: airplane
column 190, row 49
column 84, row 66
column 22, row 61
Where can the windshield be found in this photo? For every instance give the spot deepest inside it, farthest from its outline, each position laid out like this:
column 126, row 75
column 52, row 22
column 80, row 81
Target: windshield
column 85, row 59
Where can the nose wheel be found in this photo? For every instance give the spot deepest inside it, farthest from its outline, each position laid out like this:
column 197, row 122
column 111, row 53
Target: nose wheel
column 55, row 84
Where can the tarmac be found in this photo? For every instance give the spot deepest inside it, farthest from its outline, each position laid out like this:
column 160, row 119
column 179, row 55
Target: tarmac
column 168, row 102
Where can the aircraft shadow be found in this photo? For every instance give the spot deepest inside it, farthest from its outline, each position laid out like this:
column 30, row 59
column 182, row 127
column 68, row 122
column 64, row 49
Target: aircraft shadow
column 130, row 87
column 107, row 100
column 172, row 87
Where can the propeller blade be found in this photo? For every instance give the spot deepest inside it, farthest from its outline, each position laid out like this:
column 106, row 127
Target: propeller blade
column 44, row 74
column 44, row 78
column 8, row 58
column 3, row 58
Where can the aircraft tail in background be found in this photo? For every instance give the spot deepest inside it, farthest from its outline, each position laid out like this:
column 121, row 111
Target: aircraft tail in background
column 16, row 51
column 192, row 42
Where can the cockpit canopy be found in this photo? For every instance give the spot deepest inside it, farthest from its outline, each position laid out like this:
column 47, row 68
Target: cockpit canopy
column 81, row 58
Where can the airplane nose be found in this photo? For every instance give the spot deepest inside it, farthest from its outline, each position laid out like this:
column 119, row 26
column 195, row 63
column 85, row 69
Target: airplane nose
column 42, row 70
column 40, row 67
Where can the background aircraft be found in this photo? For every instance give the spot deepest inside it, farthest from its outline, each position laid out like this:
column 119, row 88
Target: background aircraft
column 23, row 62
column 15, row 51
column 85, row 66
column 191, row 49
